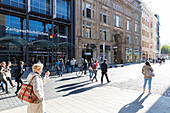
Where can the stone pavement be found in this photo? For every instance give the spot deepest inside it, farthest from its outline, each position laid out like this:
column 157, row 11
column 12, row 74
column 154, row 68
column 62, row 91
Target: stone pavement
column 72, row 94
column 105, row 99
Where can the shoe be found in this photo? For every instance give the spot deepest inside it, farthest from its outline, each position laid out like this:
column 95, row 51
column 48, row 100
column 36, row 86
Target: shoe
column 13, row 86
column 109, row 81
column 16, row 93
column 101, row 82
column 7, row 92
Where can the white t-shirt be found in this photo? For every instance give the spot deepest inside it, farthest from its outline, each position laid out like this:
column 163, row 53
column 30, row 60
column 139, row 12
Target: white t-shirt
column 73, row 62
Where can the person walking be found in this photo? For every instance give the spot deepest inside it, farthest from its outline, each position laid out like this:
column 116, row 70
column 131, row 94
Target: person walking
column 2, row 86
column 95, row 65
column 20, row 72
column 61, row 67
column 147, row 78
column 3, row 76
column 67, row 66
column 37, row 83
column 85, row 65
column 104, row 71
column 90, row 69
column 8, row 73
column 57, row 66
column 73, row 62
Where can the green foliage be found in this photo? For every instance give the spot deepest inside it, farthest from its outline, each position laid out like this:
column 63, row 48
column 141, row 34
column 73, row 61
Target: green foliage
column 165, row 49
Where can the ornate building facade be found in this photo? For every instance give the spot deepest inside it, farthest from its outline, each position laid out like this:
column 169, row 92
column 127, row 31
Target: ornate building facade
column 149, row 34
column 108, row 29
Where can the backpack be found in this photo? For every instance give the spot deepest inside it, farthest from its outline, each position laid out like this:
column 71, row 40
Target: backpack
column 94, row 65
column 60, row 64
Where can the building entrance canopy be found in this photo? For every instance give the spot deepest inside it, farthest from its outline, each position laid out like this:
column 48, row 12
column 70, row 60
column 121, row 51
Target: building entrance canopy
column 38, row 43
column 15, row 40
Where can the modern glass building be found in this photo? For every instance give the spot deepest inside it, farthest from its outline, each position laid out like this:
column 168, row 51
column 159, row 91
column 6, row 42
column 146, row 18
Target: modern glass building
column 27, row 26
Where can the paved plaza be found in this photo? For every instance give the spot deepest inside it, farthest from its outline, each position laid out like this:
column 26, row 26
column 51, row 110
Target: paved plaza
column 72, row 94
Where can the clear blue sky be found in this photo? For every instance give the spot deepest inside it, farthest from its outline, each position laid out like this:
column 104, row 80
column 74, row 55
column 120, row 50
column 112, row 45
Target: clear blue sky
column 162, row 8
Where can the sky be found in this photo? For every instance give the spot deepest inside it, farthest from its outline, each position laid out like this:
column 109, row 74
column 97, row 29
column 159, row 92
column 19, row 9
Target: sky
column 162, row 8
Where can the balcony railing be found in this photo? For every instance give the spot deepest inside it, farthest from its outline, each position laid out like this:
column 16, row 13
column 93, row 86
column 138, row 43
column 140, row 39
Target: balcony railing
column 13, row 3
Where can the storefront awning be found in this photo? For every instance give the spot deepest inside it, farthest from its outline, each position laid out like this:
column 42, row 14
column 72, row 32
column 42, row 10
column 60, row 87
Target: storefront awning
column 14, row 40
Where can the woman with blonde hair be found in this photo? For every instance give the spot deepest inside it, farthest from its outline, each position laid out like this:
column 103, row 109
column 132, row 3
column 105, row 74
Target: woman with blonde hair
column 37, row 83
column 8, row 73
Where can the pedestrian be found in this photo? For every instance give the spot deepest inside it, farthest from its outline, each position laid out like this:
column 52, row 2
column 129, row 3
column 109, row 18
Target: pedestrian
column 2, row 86
column 67, row 66
column 95, row 65
column 3, row 76
column 61, row 67
column 20, row 72
column 73, row 62
column 37, row 83
column 91, row 69
column 57, row 66
column 147, row 78
column 8, row 73
column 85, row 65
column 104, row 71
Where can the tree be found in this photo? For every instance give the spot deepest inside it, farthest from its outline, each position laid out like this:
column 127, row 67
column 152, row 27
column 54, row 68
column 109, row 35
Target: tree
column 165, row 49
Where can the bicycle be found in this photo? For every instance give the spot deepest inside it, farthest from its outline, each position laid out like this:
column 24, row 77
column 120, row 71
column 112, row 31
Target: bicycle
column 79, row 72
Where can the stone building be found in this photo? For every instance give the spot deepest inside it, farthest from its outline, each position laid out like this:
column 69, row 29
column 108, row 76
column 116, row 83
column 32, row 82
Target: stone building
column 149, row 34
column 108, row 29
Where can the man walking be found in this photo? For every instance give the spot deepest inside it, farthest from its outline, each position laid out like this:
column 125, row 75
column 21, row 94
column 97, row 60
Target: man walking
column 73, row 62
column 104, row 72
column 57, row 66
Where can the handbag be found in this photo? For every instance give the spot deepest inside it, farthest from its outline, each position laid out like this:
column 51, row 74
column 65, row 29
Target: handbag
column 27, row 94
column 149, row 73
column 90, row 68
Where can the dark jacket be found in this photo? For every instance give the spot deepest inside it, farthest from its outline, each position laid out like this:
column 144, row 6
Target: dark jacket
column 104, row 67
column 20, row 72
column 85, row 65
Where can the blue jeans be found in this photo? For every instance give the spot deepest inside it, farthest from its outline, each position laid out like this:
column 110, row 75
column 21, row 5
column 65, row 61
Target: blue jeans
column 149, row 83
column 2, row 85
column 91, row 73
column 61, row 71
column 67, row 68
column 72, row 68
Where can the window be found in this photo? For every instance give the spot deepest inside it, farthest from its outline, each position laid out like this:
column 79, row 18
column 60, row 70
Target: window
column 100, row 16
column 88, row 10
column 136, row 40
column 128, row 38
column 93, row 12
column 83, row 7
column 104, row 16
column 114, row 20
column 136, row 28
column 104, row 34
column 128, row 26
column 88, row 30
column 117, row 21
column 108, row 35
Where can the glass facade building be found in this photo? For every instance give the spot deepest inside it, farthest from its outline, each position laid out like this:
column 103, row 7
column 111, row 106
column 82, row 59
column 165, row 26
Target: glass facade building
column 32, row 21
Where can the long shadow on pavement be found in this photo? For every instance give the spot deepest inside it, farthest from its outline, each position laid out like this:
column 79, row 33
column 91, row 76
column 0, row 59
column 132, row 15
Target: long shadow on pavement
column 134, row 106
column 83, row 89
column 70, row 88
column 68, row 85
column 70, row 78
column 7, row 97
